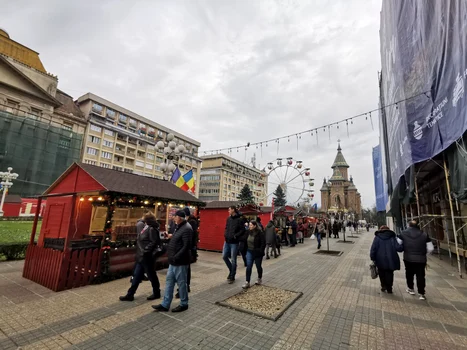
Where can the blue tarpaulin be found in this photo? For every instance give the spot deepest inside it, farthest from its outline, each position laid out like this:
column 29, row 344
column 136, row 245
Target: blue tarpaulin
column 380, row 191
column 423, row 49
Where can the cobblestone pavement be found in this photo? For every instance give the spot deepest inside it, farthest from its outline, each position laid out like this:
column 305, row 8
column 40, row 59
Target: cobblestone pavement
column 341, row 308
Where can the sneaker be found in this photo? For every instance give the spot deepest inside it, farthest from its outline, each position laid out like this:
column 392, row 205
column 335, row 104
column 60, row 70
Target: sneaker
column 246, row 285
column 410, row 291
column 422, row 297
column 259, row 282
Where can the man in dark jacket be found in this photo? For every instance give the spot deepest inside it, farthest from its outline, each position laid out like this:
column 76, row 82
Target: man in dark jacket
column 270, row 234
column 384, row 253
column 147, row 240
column 179, row 256
column 293, row 236
column 234, row 233
column 415, row 242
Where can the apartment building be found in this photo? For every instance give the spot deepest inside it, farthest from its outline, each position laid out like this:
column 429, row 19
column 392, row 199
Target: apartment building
column 119, row 139
column 223, row 177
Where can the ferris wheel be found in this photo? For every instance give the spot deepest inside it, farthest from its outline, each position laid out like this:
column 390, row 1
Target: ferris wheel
column 292, row 177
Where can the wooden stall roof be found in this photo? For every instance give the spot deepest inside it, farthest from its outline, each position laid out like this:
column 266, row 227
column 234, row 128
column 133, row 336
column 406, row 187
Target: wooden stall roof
column 13, row 199
column 117, row 181
column 220, row 204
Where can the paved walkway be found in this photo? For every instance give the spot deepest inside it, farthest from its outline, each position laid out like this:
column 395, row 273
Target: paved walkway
column 341, row 308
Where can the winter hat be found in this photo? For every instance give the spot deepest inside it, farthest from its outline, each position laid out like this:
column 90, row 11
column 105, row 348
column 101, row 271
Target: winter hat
column 187, row 211
column 180, row 213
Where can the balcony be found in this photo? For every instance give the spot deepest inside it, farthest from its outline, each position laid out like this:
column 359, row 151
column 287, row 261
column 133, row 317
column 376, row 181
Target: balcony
column 120, row 151
column 132, row 141
column 130, row 154
column 117, row 162
column 130, row 162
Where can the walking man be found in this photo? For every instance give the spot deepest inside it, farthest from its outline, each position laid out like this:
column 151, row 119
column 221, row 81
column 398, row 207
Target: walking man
column 415, row 260
column 179, row 256
column 234, row 233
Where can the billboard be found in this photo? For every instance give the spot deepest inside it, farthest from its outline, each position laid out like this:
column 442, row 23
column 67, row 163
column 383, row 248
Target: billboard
column 380, row 189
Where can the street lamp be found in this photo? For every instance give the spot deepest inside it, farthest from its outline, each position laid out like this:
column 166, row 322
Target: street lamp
column 171, row 151
column 7, row 177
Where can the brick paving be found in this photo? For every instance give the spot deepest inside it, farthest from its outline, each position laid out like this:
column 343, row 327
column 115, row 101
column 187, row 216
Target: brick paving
column 341, row 308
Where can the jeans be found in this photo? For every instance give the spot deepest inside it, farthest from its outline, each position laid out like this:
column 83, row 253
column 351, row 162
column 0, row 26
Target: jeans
column 271, row 248
column 386, row 277
column 415, row 269
column 318, row 238
column 147, row 265
column 250, row 259
column 229, row 254
column 176, row 274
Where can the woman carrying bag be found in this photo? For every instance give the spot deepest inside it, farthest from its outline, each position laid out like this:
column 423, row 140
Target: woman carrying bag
column 384, row 254
column 256, row 243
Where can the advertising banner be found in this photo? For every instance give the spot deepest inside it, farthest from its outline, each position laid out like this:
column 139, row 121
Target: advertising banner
column 380, row 191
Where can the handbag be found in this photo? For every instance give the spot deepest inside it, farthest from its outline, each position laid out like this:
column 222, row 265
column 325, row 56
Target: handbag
column 289, row 231
column 373, row 270
column 313, row 236
column 430, row 247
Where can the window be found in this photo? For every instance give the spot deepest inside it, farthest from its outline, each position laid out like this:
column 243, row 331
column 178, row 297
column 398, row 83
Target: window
column 117, row 168
column 128, row 170
column 139, row 163
column 110, row 113
column 108, row 143
column 92, row 151
column 149, row 166
column 97, row 108
column 67, row 126
column 64, row 143
column 11, row 107
column 133, row 123
column 151, row 132
column 96, row 128
column 159, row 160
column 92, row 162
column 142, row 128
column 105, row 165
column 35, row 112
column 106, row 155
column 150, row 156
column 94, row 139
column 109, row 132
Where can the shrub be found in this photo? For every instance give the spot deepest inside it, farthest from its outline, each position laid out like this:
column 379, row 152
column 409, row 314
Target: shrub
column 13, row 251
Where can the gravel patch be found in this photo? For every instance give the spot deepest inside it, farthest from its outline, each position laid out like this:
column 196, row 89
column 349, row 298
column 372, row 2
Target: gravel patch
column 263, row 301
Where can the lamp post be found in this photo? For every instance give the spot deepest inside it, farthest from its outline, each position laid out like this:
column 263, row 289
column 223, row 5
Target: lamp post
column 172, row 152
column 7, row 177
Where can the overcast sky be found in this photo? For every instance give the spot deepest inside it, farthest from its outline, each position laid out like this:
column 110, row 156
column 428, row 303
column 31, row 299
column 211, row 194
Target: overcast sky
column 223, row 72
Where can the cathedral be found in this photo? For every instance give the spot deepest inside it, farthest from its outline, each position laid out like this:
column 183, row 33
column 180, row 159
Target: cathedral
column 339, row 195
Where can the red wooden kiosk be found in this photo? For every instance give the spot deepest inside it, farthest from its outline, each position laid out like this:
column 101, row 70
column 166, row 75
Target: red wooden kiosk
column 88, row 229
column 213, row 218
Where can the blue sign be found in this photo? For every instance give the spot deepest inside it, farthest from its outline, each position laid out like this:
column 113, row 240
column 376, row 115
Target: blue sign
column 423, row 49
column 380, row 190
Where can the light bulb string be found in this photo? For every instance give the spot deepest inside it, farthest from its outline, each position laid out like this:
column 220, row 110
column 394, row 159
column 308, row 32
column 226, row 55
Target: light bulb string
column 297, row 134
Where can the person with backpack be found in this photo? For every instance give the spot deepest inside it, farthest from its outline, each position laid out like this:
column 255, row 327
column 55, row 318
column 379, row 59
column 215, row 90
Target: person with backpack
column 146, row 243
column 384, row 254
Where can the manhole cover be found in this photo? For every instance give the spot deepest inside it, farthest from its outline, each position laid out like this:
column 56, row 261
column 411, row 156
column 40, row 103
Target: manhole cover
column 329, row 252
column 263, row 301
column 341, row 241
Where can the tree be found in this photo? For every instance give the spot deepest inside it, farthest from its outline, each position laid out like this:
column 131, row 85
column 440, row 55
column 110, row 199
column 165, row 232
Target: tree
column 246, row 196
column 279, row 197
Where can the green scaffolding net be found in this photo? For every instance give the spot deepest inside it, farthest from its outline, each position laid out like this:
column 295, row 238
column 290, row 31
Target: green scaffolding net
column 37, row 151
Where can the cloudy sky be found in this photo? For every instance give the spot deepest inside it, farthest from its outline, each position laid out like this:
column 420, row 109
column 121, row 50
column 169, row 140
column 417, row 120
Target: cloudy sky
column 223, row 72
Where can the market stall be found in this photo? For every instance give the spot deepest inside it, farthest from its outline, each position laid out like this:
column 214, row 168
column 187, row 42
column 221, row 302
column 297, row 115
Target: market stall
column 88, row 229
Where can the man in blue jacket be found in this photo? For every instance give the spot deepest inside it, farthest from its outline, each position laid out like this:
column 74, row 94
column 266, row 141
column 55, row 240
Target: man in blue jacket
column 384, row 253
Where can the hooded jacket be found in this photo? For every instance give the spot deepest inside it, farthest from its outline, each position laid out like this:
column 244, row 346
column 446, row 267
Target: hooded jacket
column 270, row 233
column 384, row 250
column 147, row 240
column 414, row 245
column 234, row 229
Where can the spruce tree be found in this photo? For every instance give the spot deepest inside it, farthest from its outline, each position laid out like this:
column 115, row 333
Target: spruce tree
column 279, row 197
column 246, row 196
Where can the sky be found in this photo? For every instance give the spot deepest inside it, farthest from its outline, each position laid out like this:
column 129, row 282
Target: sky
column 223, row 72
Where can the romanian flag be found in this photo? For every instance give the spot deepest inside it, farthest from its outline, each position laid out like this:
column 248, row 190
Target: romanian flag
column 189, row 180
column 178, row 179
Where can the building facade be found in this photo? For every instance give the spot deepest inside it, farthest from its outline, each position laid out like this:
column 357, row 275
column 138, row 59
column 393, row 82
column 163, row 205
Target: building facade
column 222, row 178
column 119, row 139
column 339, row 195
column 41, row 129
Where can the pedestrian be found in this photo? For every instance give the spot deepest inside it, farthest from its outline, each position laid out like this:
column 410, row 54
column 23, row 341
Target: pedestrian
column 270, row 234
column 300, row 230
column 148, row 239
column 335, row 229
column 179, row 256
column 293, row 236
column 319, row 232
column 256, row 244
column 415, row 250
column 234, row 233
column 384, row 254
column 260, row 225
column 193, row 222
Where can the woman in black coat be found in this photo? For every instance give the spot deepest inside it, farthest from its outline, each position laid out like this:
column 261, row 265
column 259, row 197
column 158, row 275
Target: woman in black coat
column 384, row 253
column 256, row 243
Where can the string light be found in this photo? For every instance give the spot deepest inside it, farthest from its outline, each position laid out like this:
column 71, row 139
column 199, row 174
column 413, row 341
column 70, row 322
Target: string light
column 425, row 93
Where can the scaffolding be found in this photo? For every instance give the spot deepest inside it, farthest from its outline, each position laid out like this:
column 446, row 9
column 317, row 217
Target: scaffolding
column 38, row 151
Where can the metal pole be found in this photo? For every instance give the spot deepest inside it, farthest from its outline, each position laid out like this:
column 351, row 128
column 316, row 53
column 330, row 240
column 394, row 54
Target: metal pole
column 446, row 173
column 417, row 200
column 3, row 200
column 36, row 219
